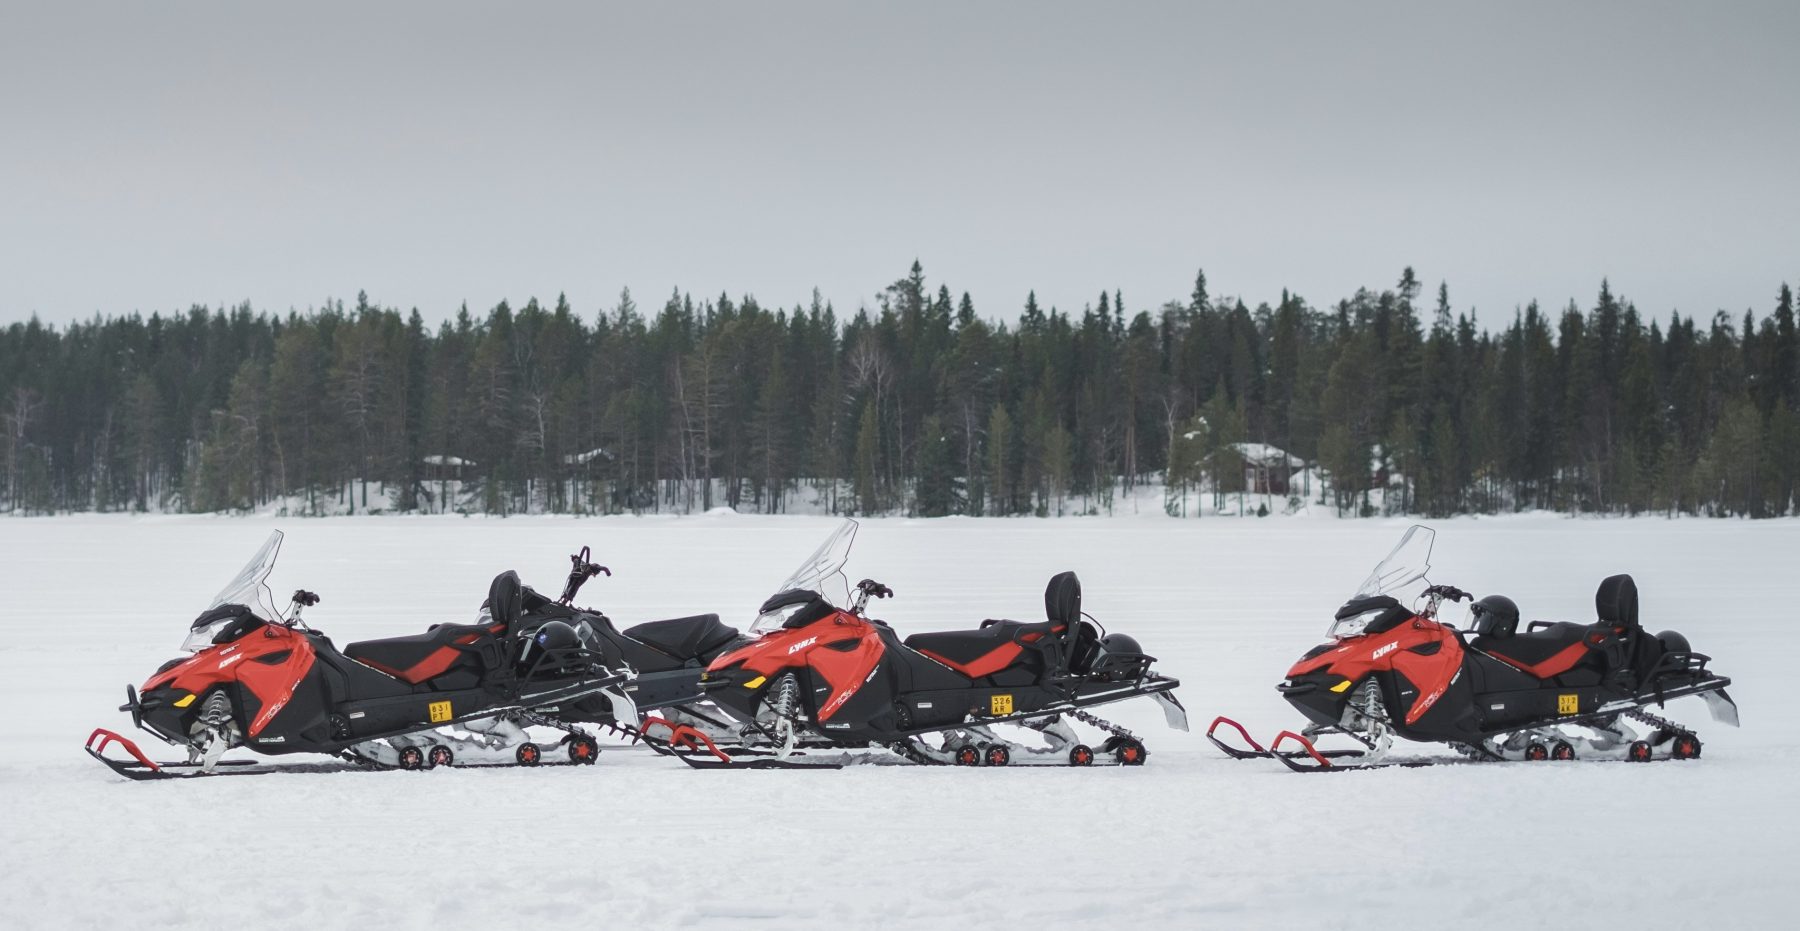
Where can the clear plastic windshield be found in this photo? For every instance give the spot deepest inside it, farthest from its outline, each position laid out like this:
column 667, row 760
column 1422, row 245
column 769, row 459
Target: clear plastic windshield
column 822, row 572
column 250, row 587
column 1406, row 563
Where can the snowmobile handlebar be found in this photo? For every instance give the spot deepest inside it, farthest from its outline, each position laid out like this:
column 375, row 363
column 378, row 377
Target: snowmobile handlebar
column 1437, row 594
column 1449, row 592
column 581, row 570
column 866, row 589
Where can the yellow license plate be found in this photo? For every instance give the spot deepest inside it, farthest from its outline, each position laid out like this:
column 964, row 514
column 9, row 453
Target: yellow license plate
column 440, row 712
column 1568, row 704
column 1000, row 704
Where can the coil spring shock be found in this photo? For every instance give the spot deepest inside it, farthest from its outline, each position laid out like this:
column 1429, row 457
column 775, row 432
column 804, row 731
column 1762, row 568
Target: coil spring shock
column 216, row 713
column 786, row 709
column 211, row 733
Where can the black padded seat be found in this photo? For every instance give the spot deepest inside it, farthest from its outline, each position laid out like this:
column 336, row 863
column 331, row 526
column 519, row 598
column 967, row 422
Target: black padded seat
column 418, row 657
column 684, row 637
column 964, row 647
column 1536, row 646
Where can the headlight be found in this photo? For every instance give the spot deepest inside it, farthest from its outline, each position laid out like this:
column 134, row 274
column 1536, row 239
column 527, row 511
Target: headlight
column 1353, row 625
column 201, row 637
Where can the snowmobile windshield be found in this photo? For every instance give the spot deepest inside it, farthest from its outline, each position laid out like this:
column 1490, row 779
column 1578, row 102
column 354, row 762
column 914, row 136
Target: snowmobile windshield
column 822, row 572
column 1406, row 563
column 250, row 588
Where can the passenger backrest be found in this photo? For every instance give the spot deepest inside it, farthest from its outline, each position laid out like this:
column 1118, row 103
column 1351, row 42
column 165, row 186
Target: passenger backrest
column 1062, row 599
column 506, row 598
column 1616, row 602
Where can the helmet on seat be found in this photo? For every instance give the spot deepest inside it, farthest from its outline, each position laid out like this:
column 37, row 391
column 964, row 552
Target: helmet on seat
column 1495, row 616
column 547, row 639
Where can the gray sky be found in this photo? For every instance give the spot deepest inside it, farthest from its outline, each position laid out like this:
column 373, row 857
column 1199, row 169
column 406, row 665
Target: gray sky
column 162, row 154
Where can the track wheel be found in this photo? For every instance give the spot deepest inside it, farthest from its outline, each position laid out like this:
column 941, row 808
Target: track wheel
column 412, row 758
column 529, row 755
column 1639, row 752
column 967, row 755
column 1562, row 750
column 1130, row 752
column 440, row 755
column 998, row 755
column 1081, row 755
column 1535, row 752
column 583, row 749
column 1686, row 747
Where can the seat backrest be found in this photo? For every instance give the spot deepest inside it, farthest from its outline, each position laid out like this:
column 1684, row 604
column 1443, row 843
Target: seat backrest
column 506, row 598
column 1616, row 602
column 1062, row 599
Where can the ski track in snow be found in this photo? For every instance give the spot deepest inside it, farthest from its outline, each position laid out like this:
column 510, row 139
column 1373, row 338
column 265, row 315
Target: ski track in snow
column 1190, row 840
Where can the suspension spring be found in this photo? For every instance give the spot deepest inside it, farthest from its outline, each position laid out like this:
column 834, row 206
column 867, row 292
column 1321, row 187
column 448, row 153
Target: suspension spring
column 787, row 696
column 1658, row 721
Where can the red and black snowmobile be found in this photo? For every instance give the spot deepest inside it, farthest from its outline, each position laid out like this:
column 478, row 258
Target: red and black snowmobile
column 1554, row 691
column 459, row 694
column 825, row 685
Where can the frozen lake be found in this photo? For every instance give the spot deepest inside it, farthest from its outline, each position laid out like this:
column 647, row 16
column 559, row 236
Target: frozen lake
column 1190, row 840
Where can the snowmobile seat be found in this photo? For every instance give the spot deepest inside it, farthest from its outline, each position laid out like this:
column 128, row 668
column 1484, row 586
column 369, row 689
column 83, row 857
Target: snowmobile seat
column 987, row 649
column 684, row 637
column 997, row 644
column 1549, row 651
column 421, row 657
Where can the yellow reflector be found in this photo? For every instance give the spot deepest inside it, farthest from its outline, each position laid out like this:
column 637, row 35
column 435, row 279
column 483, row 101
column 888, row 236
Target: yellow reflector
column 185, row 702
column 1341, row 686
column 754, row 683
column 440, row 711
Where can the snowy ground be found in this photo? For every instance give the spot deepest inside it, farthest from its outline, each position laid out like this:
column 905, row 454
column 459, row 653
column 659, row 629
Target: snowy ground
column 1191, row 840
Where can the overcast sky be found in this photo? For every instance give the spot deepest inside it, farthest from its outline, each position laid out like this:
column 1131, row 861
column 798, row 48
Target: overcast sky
column 158, row 155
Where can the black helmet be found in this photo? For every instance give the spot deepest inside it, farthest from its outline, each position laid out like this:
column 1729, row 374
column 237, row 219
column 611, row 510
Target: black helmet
column 548, row 637
column 1118, row 655
column 556, row 635
column 1495, row 616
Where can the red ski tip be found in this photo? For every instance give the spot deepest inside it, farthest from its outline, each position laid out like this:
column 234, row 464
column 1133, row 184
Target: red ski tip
column 108, row 737
column 683, row 736
column 1221, row 719
column 1307, row 745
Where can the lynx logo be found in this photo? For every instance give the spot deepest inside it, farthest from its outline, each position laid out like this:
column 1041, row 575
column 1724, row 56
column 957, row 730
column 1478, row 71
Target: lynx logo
column 228, row 662
column 802, row 645
column 1386, row 650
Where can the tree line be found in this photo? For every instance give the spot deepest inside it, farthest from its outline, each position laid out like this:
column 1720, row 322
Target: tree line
column 918, row 405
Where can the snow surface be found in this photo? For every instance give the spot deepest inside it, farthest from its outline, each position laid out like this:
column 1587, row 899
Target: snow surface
column 1190, row 840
